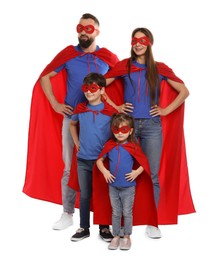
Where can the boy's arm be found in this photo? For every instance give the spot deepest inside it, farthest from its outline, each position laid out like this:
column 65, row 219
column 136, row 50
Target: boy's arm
column 74, row 133
column 107, row 175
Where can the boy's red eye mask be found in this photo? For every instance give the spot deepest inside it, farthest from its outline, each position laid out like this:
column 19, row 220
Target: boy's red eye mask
column 92, row 88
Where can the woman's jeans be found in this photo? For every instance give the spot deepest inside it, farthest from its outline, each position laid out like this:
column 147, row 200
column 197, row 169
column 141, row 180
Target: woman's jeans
column 149, row 133
column 122, row 200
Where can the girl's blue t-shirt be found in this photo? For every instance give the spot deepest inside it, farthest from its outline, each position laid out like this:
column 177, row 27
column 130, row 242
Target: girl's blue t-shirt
column 94, row 132
column 120, row 163
column 138, row 94
column 76, row 69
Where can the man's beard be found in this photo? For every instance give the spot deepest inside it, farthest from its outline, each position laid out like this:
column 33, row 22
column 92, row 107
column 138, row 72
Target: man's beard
column 85, row 43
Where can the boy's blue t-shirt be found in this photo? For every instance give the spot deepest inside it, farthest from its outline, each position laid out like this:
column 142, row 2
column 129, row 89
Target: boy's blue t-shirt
column 94, row 132
column 120, row 163
column 138, row 94
column 76, row 69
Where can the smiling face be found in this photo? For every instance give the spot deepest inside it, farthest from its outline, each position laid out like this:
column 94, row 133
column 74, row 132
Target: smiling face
column 87, row 31
column 140, row 46
column 93, row 95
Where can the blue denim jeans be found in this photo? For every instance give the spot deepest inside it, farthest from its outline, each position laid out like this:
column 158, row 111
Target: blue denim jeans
column 122, row 200
column 85, row 182
column 68, row 194
column 85, row 168
column 149, row 133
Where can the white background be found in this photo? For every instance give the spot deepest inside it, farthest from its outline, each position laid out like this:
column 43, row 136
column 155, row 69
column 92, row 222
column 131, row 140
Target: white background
column 32, row 32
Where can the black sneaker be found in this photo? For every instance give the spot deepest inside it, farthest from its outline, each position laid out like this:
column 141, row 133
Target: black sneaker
column 105, row 234
column 80, row 234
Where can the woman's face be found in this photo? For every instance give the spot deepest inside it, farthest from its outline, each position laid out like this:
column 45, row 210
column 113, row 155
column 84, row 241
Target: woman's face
column 139, row 48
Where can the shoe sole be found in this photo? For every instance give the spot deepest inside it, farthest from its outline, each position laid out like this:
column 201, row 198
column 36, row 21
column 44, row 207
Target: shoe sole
column 62, row 228
column 106, row 239
column 78, row 239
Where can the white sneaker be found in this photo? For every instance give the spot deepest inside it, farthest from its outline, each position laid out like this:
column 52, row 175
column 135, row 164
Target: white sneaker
column 65, row 221
column 153, row 232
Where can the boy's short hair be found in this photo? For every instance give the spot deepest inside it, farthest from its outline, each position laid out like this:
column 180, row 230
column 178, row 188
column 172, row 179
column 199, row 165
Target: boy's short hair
column 94, row 77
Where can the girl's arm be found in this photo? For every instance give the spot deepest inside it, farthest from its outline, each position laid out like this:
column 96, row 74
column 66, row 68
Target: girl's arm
column 183, row 93
column 74, row 133
column 134, row 174
column 107, row 175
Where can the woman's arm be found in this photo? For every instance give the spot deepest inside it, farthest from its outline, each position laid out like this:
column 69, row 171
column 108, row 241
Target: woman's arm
column 183, row 93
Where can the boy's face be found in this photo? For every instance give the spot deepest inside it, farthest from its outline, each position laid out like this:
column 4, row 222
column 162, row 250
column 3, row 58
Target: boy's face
column 93, row 93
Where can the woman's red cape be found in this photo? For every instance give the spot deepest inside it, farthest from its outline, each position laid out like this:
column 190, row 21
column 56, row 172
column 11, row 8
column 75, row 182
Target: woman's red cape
column 175, row 195
column 44, row 166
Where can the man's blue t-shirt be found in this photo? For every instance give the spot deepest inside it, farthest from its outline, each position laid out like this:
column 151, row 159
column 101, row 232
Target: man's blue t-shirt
column 77, row 68
column 94, row 132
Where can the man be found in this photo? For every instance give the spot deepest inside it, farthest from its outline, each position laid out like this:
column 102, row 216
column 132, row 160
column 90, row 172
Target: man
column 61, row 82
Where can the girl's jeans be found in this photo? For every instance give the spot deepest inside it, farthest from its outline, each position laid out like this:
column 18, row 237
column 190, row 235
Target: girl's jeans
column 122, row 200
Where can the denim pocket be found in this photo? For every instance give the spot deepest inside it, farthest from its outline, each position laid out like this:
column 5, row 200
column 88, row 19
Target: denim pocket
column 156, row 120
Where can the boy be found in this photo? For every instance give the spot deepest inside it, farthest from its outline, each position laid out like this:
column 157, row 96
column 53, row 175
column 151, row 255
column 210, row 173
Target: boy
column 93, row 118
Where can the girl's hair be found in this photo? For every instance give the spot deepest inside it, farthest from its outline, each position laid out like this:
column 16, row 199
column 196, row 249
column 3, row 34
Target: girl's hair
column 95, row 78
column 117, row 119
column 152, row 77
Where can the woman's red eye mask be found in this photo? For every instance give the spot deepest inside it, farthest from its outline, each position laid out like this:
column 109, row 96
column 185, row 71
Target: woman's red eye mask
column 142, row 40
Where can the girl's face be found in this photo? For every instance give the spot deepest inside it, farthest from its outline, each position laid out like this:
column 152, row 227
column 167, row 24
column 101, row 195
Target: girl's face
column 122, row 133
column 139, row 48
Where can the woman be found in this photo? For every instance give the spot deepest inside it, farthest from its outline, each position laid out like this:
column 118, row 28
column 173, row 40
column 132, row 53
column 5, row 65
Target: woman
column 155, row 97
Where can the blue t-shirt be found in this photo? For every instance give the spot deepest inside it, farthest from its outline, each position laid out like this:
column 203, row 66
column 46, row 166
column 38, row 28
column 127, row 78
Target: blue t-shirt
column 138, row 94
column 77, row 68
column 94, row 132
column 120, row 163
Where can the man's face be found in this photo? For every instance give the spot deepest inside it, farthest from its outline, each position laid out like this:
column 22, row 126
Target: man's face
column 87, row 31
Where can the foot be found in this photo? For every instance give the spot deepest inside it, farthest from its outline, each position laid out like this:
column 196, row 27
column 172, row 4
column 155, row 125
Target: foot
column 106, row 235
column 114, row 244
column 65, row 221
column 125, row 243
column 80, row 234
column 153, row 232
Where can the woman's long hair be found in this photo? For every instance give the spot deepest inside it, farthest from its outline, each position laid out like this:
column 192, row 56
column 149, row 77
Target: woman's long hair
column 152, row 77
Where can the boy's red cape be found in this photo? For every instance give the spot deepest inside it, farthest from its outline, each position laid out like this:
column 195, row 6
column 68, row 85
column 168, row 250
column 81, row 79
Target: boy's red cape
column 175, row 196
column 144, row 210
column 82, row 108
column 44, row 167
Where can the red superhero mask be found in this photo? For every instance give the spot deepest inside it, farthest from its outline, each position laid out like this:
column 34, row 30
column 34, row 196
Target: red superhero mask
column 88, row 28
column 123, row 129
column 142, row 40
column 92, row 88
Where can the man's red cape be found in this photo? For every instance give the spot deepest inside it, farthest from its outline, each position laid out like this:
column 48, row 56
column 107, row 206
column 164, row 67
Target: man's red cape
column 144, row 210
column 44, row 167
column 175, row 196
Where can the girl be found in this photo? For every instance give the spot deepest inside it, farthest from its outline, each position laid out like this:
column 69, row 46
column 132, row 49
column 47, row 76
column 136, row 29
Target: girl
column 121, row 176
